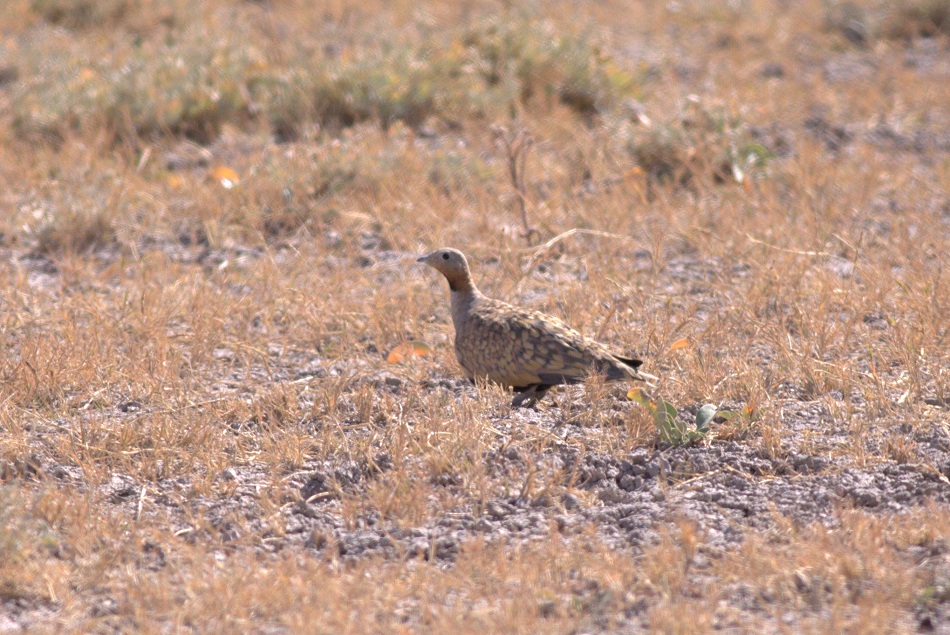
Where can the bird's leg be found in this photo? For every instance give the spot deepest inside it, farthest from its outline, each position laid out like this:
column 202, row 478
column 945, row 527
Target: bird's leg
column 526, row 398
column 530, row 396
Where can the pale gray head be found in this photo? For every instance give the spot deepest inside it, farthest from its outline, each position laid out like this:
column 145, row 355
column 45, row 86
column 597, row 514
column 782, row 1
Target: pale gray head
column 452, row 264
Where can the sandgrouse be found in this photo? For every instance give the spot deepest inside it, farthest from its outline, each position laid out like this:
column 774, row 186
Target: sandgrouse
column 524, row 350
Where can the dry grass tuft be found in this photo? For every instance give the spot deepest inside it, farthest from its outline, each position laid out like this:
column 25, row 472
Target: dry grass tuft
column 170, row 79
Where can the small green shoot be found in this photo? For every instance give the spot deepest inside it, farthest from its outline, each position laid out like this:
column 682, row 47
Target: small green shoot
column 674, row 430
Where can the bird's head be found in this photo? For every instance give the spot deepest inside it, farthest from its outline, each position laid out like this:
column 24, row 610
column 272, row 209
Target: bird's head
column 452, row 264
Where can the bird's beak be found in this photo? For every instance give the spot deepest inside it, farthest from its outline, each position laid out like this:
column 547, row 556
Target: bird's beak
column 422, row 259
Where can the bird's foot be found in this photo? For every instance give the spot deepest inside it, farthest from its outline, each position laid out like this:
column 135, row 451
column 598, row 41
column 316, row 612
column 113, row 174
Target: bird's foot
column 530, row 396
column 527, row 399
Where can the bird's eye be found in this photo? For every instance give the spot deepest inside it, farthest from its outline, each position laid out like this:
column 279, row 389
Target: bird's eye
column 445, row 256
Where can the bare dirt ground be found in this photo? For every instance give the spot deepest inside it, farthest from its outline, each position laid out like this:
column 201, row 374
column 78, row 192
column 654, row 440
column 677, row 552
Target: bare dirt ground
column 210, row 220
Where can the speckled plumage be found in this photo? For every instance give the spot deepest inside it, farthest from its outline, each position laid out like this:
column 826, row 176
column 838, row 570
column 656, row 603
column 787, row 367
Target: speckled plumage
column 524, row 350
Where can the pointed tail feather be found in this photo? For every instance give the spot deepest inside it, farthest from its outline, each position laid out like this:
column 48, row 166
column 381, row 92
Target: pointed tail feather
column 635, row 364
column 629, row 361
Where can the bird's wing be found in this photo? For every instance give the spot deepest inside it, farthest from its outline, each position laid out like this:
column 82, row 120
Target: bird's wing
column 489, row 346
column 520, row 348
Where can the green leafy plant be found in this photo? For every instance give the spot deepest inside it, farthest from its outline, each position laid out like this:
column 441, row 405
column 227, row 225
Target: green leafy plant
column 700, row 145
column 672, row 428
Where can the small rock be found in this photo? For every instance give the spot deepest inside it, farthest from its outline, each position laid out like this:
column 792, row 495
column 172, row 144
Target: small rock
column 610, row 495
column 570, row 501
column 317, row 484
column 547, row 609
column 130, row 406
column 630, row 483
column 317, row 540
column 122, row 487
column 541, row 501
column 497, row 510
column 773, row 70
column 802, row 583
column 58, row 472
column 701, row 561
column 105, row 606
column 867, row 497
column 638, row 457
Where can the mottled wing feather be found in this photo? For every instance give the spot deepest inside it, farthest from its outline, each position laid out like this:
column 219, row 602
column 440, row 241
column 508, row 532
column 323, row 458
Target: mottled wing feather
column 490, row 347
column 519, row 348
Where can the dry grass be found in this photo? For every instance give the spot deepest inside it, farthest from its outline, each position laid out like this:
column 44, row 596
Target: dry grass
column 205, row 253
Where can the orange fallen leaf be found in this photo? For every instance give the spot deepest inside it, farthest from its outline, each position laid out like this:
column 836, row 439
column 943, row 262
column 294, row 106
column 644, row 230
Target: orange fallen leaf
column 226, row 176
column 641, row 397
column 678, row 344
column 633, row 173
column 748, row 413
column 749, row 410
column 407, row 350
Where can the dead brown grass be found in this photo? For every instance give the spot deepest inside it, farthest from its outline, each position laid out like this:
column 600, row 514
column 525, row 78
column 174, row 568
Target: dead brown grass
column 183, row 352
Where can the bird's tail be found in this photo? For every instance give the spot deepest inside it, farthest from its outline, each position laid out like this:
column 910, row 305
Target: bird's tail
column 634, row 365
column 629, row 361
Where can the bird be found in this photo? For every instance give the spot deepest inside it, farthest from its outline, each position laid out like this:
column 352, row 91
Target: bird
column 527, row 351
